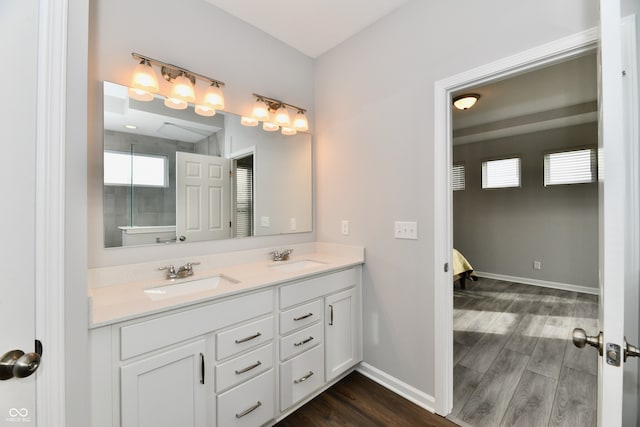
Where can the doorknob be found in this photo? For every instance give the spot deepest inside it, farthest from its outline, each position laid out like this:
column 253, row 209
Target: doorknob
column 580, row 339
column 630, row 350
column 16, row 363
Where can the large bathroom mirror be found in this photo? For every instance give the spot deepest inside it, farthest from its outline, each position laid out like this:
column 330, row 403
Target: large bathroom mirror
column 172, row 176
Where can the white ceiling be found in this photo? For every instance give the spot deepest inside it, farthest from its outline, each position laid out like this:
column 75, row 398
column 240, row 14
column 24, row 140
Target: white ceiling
column 310, row 27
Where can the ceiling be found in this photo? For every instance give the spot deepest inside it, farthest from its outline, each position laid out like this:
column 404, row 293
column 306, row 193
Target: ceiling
column 310, row 27
column 556, row 96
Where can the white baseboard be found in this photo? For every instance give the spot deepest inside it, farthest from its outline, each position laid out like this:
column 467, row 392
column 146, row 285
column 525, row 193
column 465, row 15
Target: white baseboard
column 401, row 388
column 543, row 283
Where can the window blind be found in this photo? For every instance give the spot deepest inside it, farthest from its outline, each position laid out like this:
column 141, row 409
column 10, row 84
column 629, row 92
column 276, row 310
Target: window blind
column 570, row 167
column 244, row 201
column 457, row 177
column 501, row 173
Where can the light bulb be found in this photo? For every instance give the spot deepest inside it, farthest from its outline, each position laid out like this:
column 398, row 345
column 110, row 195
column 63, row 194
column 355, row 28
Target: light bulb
column 300, row 122
column 182, row 89
column 260, row 111
column 145, row 78
column 288, row 131
column 214, row 97
column 282, row 116
column 248, row 121
column 270, row 127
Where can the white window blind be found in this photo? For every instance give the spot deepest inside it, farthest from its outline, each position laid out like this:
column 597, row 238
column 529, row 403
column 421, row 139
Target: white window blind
column 244, row 200
column 501, row 173
column 570, row 167
column 457, row 177
column 121, row 168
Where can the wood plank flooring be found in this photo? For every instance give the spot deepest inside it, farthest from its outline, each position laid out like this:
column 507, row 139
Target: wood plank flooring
column 514, row 362
column 358, row 401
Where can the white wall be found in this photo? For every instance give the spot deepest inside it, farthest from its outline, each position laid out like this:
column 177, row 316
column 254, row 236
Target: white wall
column 200, row 37
column 374, row 105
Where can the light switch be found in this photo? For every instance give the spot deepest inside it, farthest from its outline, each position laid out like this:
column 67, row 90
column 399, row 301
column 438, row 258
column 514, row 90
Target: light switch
column 345, row 227
column 405, row 230
column 292, row 224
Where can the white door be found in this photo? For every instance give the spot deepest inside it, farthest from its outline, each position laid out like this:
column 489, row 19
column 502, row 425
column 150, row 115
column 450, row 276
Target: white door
column 203, row 197
column 612, row 200
column 19, row 32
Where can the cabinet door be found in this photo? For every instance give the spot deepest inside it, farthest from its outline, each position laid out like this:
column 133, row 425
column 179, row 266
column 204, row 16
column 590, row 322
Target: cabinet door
column 342, row 337
column 165, row 390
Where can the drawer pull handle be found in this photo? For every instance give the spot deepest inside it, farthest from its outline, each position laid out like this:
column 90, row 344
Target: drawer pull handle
column 248, row 368
column 303, row 342
column 250, row 410
column 330, row 315
column 201, row 368
column 303, row 317
column 303, row 379
column 248, row 338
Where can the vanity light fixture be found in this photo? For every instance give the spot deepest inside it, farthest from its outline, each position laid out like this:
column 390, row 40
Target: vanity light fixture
column 466, row 101
column 275, row 115
column 183, row 82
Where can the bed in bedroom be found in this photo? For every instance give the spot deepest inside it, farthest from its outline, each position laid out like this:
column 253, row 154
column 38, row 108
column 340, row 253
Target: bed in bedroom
column 462, row 269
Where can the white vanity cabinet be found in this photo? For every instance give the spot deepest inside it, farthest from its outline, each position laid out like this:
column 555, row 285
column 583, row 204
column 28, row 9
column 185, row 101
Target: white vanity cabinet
column 320, row 332
column 244, row 360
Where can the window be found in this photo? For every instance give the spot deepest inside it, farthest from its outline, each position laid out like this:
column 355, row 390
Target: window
column 501, row 173
column 122, row 168
column 457, row 177
column 570, row 167
column 244, row 197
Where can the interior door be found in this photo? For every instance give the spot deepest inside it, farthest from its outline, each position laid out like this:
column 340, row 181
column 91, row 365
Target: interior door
column 203, row 197
column 18, row 22
column 612, row 194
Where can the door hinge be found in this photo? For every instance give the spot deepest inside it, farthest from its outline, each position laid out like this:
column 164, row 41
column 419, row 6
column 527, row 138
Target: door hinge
column 230, row 174
column 446, row 267
column 230, row 224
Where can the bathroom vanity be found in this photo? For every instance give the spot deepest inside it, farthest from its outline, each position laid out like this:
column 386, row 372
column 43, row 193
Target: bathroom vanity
column 240, row 345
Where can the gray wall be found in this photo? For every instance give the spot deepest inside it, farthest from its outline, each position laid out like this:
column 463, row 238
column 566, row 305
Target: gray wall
column 502, row 231
column 375, row 132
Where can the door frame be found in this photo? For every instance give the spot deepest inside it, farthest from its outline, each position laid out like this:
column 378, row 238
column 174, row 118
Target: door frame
column 554, row 52
column 50, row 211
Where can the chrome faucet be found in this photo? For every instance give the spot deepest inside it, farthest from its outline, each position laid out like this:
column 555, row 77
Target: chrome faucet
column 281, row 256
column 186, row 270
column 183, row 271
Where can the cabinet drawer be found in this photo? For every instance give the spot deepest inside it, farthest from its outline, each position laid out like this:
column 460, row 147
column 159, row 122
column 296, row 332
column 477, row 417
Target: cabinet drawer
column 239, row 369
column 243, row 337
column 300, row 376
column 142, row 337
column 300, row 341
column 307, row 290
column 299, row 317
column 250, row 404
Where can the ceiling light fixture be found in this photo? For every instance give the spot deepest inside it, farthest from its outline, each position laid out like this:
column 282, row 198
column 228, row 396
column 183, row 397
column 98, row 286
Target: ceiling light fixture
column 275, row 114
column 466, row 101
column 144, row 85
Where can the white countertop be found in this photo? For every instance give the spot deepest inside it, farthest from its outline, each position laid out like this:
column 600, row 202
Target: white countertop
column 124, row 301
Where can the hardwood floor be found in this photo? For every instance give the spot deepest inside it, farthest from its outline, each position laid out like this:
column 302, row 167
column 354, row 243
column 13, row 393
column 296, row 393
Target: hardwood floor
column 514, row 362
column 358, row 401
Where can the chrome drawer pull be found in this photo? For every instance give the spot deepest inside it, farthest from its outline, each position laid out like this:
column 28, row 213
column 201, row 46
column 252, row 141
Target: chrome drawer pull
column 303, row 342
column 248, row 368
column 250, row 410
column 248, row 338
column 303, row 317
column 303, row 379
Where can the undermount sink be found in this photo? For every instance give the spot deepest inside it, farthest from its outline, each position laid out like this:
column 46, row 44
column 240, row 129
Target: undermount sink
column 292, row 266
column 186, row 287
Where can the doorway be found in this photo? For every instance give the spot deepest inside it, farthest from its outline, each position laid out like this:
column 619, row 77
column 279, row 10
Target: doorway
column 525, row 216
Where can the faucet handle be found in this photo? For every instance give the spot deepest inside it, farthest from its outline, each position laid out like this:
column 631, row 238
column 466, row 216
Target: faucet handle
column 169, row 267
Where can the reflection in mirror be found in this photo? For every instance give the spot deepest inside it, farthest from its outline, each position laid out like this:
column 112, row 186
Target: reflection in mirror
column 172, row 176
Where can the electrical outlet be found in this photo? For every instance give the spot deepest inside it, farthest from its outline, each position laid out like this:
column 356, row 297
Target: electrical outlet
column 405, row 230
column 345, row 227
column 265, row 221
column 537, row 265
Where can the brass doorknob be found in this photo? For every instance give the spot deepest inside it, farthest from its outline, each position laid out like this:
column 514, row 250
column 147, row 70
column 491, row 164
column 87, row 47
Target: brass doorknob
column 580, row 339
